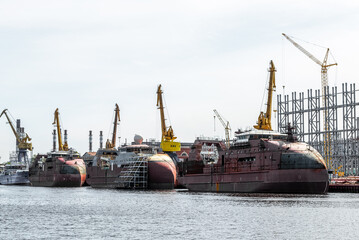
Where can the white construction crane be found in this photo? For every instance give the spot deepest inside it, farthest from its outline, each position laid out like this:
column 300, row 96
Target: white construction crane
column 226, row 126
column 324, row 75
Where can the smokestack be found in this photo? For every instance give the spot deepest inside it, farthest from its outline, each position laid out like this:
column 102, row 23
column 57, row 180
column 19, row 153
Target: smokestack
column 65, row 136
column 18, row 126
column 90, row 141
column 101, row 139
column 54, row 140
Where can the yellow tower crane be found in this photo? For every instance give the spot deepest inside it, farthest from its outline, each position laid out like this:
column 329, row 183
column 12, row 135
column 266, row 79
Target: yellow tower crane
column 324, row 81
column 23, row 143
column 65, row 146
column 112, row 144
column 167, row 143
column 227, row 128
column 264, row 119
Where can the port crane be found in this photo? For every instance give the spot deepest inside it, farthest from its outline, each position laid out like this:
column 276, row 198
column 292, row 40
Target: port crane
column 264, row 119
column 226, row 126
column 324, row 81
column 62, row 147
column 112, row 144
column 23, row 142
column 167, row 143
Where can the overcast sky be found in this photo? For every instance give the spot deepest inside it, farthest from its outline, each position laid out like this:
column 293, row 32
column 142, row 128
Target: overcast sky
column 84, row 56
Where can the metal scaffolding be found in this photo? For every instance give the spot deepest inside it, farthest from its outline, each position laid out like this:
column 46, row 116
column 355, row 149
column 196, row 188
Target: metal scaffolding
column 335, row 135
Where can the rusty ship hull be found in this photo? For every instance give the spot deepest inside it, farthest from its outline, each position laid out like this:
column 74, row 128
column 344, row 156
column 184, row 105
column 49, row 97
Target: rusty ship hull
column 58, row 172
column 258, row 162
column 272, row 181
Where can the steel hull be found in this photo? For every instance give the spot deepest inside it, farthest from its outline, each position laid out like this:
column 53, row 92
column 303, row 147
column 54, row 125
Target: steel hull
column 307, row 181
column 161, row 175
column 54, row 177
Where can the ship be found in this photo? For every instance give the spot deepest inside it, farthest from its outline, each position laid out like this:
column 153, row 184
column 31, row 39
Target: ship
column 134, row 166
column 256, row 161
column 14, row 174
column 58, row 169
column 62, row 168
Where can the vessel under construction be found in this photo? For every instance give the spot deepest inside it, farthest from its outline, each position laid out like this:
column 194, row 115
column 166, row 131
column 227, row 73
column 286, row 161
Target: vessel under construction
column 62, row 168
column 135, row 166
column 258, row 161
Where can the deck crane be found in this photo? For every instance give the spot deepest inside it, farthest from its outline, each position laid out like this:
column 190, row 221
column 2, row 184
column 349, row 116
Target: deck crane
column 264, row 119
column 23, row 143
column 226, row 126
column 324, row 81
column 62, row 147
column 112, row 144
column 167, row 143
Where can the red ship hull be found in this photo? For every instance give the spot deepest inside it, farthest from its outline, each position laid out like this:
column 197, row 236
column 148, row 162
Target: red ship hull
column 58, row 173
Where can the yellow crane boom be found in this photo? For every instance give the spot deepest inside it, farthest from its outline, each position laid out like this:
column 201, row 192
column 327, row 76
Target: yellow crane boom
column 264, row 119
column 226, row 126
column 22, row 142
column 62, row 147
column 112, row 144
column 167, row 143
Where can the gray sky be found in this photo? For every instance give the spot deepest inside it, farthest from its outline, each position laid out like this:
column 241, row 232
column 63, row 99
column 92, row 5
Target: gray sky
column 84, row 56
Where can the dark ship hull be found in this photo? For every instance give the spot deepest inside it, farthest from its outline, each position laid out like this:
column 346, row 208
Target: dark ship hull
column 259, row 162
column 57, row 172
column 313, row 181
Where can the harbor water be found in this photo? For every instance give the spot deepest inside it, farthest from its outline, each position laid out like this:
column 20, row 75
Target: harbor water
column 87, row 213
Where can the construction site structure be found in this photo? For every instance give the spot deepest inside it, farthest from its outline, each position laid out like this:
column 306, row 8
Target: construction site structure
column 23, row 143
column 134, row 174
column 324, row 84
column 304, row 113
column 167, row 140
column 227, row 127
column 264, row 119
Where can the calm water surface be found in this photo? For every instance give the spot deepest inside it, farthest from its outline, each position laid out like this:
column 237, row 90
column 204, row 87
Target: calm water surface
column 86, row 213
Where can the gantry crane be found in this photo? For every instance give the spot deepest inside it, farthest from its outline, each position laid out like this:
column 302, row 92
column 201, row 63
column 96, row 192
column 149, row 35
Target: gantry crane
column 227, row 128
column 62, row 147
column 324, row 81
column 264, row 119
column 112, row 144
column 23, row 143
column 167, row 143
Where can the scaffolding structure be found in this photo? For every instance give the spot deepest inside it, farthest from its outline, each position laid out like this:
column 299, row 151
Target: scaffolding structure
column 134, row 175
column 333, row 129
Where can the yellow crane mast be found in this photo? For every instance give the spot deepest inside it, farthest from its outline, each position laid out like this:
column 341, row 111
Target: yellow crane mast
column 62, row 147
column 324, row 81
column 227, row 128
column 167, row 143
column 112, row 144
column 23, row 143
column 264, row 119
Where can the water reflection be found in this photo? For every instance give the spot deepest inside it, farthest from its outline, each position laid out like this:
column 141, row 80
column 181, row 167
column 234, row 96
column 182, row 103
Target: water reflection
column 86, row 213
